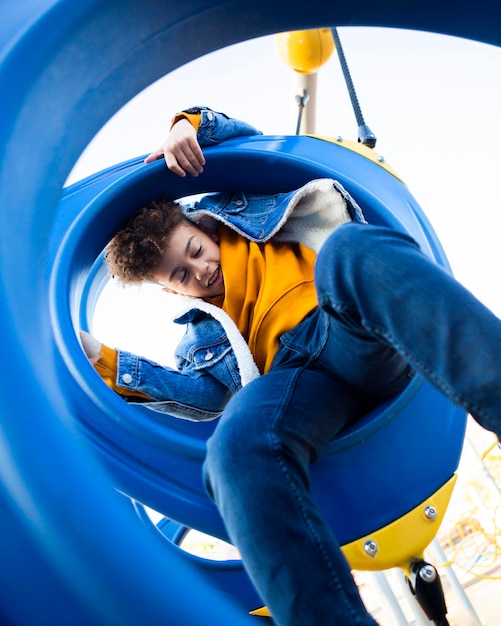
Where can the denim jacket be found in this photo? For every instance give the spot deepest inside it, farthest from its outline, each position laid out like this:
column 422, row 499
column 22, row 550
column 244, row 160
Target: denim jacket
column 212, row 360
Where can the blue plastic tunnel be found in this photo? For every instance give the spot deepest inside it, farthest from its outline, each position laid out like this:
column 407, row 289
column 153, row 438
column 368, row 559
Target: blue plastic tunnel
column 73, row 549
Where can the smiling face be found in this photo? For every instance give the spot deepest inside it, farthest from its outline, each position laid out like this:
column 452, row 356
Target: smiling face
column 191, row 265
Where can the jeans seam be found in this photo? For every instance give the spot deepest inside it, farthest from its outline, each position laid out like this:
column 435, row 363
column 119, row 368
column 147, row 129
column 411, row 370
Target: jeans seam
column 276, row 447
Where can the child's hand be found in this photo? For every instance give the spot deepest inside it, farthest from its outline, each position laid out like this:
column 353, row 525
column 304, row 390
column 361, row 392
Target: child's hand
column 92, row 347
column 181, row 150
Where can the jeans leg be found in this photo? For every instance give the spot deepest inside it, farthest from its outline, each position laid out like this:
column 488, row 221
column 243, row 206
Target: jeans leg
column 257, row 472
column 379, row 282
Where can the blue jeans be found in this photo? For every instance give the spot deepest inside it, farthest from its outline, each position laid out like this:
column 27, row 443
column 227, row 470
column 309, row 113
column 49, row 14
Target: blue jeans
column 384, row 311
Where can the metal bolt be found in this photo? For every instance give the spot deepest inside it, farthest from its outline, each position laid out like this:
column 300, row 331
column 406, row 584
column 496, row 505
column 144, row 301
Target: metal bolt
column 428, row 573
column 431, row 513
column 339, row 138
column 371, row 548
column 380, row 159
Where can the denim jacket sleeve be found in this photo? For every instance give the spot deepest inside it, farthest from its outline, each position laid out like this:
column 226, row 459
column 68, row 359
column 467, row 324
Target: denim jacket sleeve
column 207, row 372
column 178, row 393
column 217, row 127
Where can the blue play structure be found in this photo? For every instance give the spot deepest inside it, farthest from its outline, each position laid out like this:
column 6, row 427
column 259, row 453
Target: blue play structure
column 74, row 458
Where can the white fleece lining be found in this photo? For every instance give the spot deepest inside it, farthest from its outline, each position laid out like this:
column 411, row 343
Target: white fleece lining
column 245, row 361
column 313, row 213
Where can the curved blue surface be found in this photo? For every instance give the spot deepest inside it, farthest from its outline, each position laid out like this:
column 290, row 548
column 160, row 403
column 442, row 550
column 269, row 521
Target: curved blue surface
column 157, row 459
column 73, row 550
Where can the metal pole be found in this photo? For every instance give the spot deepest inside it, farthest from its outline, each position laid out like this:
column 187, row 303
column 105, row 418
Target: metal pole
column 390, row 601
column 306, row 99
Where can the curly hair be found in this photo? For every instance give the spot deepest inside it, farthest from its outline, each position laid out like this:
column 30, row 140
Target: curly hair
column 136, row 251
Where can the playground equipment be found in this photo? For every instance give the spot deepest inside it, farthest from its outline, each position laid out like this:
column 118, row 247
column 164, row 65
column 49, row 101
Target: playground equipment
column 74, row 550
column 160, row 456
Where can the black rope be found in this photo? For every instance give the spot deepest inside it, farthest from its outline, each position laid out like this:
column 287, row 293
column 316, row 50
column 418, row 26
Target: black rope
column 365, row 135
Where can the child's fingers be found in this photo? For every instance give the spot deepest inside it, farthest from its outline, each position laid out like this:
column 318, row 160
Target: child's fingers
column 183, row 159
column 154, row 156
column 181, row 151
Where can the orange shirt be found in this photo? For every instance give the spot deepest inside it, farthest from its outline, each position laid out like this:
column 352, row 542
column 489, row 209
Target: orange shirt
column 269, row 289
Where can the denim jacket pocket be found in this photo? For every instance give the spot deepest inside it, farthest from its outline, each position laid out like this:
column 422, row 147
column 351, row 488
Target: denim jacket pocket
column 203, row 357
column 215, row 357
column 252, row 215
column 224, row 203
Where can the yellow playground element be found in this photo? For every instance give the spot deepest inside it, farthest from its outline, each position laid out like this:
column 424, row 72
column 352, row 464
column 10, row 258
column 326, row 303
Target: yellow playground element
column 305, row 51
column 400, row 544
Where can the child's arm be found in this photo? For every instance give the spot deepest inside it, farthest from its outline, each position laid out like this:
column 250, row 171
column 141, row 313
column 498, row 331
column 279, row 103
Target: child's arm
column 190, row 131
column 181, row 150
column 133, row 377
column 104, row 360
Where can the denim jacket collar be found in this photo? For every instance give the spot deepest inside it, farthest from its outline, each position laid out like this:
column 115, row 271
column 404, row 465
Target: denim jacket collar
column 307, row 215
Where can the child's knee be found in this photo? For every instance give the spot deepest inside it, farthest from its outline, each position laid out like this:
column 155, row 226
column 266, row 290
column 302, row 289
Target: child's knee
column 363, row 246
column 350, row 240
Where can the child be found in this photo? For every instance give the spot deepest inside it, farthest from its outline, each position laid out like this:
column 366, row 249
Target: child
column 336, row 314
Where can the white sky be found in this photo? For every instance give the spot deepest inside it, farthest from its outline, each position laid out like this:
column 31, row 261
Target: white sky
column 433, row 102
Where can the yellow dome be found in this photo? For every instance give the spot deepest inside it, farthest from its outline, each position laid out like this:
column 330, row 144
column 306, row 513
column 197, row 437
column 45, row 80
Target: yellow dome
column 305, row 51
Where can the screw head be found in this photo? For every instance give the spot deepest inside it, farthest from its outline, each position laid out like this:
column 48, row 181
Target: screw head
column 428, row 573
column 371, row 548
column 430, row 512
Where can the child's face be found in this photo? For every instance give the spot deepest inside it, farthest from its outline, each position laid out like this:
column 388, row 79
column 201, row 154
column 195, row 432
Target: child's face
column 191, row 265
